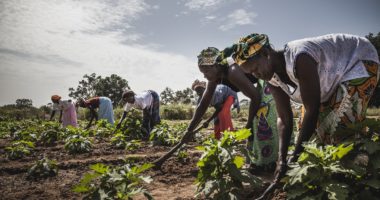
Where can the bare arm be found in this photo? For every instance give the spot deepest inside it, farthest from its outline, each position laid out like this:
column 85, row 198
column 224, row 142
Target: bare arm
column 203, row 105
column 284, row 121
column 52, row 114
column 307, row 71
column 238, row 78
column 121, row 119
column 93, row 115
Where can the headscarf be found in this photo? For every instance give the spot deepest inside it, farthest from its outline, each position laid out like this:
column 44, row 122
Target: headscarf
column 55, row 98
column 247, row 47
column 198, row 83
column 208, row 56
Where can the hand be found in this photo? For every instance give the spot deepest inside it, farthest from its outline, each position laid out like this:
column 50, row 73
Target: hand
column 280, row 171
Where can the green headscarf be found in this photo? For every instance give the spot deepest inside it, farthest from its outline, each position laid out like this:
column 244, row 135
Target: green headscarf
column 247, row 47
column 208, row 56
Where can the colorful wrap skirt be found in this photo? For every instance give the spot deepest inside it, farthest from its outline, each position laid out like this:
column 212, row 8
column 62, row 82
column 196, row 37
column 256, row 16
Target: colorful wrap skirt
column 347, row 105
column 265, row 135
column 106, row 110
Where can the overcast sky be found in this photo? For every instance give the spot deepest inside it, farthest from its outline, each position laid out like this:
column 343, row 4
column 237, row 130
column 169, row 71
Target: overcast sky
column 46, row 46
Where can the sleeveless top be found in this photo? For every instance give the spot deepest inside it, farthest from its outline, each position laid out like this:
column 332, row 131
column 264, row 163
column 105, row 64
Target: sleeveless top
column 339, row 58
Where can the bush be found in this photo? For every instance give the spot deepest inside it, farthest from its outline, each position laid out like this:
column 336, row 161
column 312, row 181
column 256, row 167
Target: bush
column 43, row 168
column 176, row 111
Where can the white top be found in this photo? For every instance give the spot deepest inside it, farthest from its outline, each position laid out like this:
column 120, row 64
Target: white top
column 62, row 105
column 142, row 101
column 339, row 58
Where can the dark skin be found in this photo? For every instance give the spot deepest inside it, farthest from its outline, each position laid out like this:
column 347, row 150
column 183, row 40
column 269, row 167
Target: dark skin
column 264, row 65
column 93, row 113
column 214, row 75
column 53, row 112
column 129, row 99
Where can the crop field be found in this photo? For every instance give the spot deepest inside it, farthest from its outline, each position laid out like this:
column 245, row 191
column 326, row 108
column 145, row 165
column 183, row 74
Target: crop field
column 65, row 156
column 42, row 160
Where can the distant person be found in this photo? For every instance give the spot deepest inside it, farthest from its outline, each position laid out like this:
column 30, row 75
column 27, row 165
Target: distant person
column 333, row 76
column 68, row 114
column 104, row 106
column 147, row 101
column 222, row 100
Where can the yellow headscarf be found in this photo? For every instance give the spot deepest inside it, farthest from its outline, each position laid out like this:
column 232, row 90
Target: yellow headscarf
column 249, row 46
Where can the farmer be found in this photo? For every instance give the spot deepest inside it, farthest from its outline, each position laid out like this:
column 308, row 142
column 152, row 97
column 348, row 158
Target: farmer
column 148, row 102
column 105, row 110
column 67, row 111
column 217, row 70
column 333, row 76
column 222, row 100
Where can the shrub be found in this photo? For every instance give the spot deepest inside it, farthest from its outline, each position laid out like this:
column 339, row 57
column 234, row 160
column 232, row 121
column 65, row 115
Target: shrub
column 19, row 149
column 114, row 183
column 78, row 144
column 220, row 173
column 43, row 168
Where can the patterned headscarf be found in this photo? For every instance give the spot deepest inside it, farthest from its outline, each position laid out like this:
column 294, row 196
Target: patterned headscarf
column 247, row 47
column 208, row 56
column 198, row 83
column 55, row 98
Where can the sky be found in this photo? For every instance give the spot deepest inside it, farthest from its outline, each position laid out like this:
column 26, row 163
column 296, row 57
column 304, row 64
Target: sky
column 46, row 46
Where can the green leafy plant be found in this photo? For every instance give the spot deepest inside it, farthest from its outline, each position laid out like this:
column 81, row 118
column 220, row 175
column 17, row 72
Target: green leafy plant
column 114, row 183
column 347, row 171
column 133, row 145
column 43, row 168
column 131, row 126
column 119, row 141
column 104, row 129
column 49, row 137
column 220, row 173
column 19, row 149
column 163, row 134
column 78, row 144
column 182, row 156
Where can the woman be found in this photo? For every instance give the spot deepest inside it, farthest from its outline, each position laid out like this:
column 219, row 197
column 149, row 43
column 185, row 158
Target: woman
column 222, row 100
column 68, row 115
column 105, row 108
column 333, row 76
column 218, row 70
column 148, row 102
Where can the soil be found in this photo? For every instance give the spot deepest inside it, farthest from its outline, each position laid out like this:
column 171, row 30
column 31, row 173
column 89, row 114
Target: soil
column 175, row 180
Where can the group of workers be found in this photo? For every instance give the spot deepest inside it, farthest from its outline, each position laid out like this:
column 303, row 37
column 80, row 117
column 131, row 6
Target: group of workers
column 333, row 76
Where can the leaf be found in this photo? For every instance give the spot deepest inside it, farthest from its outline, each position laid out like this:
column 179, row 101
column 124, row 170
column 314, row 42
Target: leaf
column 373, row 182
column 81, row 188
column 242, row 134
column 295, row 192
column 337, row 191
column 342, row 151
column 239, row 161
column 100, row 168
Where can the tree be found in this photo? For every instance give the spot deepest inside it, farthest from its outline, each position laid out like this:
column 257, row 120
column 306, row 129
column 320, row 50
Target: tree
column 167, row 96
column 185, row 96
column 92, row 85
column 375, row 40
column 24, row 103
